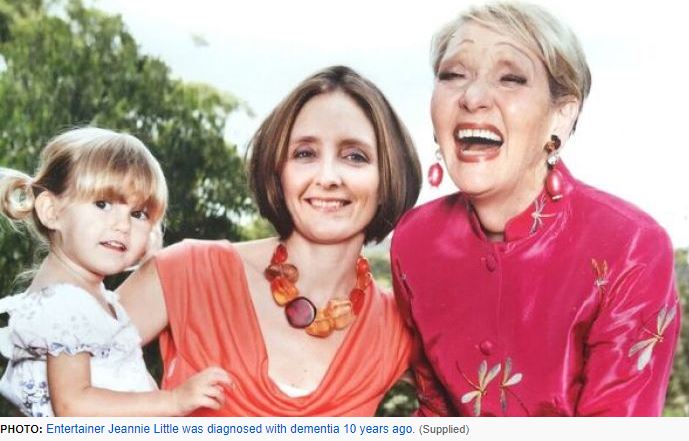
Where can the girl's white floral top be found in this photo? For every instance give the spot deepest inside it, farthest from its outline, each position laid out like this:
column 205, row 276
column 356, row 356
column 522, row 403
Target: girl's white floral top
column 65, row 318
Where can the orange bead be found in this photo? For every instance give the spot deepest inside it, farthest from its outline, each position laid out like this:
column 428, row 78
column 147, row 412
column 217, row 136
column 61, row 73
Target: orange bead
column 362, row 266
column 280, row 254
column 357, row 298
column 322, row 326
column 272, row 271
column 291, row 272
column 283, row 290
column 340, row 311
column 363, row 281
column 286, row 270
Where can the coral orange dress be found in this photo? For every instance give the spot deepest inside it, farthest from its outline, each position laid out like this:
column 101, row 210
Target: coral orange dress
column 212, row 322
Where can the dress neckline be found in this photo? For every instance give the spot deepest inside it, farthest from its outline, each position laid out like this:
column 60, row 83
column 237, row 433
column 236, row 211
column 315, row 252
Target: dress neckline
column 263, row 354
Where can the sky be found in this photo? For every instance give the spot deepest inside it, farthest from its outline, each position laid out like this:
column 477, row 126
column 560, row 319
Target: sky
column 631, row 138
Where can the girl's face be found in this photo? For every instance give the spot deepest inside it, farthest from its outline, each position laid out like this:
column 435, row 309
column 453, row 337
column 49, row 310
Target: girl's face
column 492, row 113
column 330, row 179
column 102, row 237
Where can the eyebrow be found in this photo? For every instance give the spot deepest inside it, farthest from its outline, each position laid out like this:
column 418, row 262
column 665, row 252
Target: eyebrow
column 342, row 143
column 356, row 141
column 305, row 138
column 518, row 49
column 500, row 43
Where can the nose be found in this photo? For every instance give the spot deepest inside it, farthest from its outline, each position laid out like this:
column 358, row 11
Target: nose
column 476, row 96
column 121, row 219
column 329, row 173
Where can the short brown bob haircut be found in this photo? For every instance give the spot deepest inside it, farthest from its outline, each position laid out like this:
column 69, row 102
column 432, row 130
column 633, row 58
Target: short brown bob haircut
column 398, row 164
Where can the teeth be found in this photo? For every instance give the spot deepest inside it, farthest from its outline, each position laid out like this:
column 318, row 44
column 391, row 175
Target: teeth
column 115, row 244
column 319, row 203
column 478, row 133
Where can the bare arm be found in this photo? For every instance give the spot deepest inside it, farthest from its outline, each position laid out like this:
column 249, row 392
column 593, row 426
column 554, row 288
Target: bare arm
column 72, row 394
column 142, row 296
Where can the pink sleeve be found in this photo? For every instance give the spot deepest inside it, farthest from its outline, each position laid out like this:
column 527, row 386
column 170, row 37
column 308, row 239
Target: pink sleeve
column 433, row 400
column 630, row 346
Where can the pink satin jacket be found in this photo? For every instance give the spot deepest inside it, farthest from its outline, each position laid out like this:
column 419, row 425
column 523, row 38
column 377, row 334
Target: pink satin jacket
column 574, row 313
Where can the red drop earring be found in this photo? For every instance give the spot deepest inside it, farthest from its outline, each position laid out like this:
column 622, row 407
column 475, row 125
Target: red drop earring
column 553, row 182
column 435, row 171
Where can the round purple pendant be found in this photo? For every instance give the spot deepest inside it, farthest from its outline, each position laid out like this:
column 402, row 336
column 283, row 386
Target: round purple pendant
column 300, row 312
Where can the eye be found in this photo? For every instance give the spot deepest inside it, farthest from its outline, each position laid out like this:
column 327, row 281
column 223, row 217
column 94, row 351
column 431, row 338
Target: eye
column 303, row 153
column 140, row 214
column 103, row 205
column 356, row 156
column 512, row 78
column 448, row 75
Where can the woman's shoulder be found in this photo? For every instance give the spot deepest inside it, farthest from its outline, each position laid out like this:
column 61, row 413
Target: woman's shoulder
column 194, row 247
column 206, row 257
column 437, row 211
column 387, row 301
column 255, row 254
column 613, row 213
column 445, row 216
column 196, row 252
column 616, row 227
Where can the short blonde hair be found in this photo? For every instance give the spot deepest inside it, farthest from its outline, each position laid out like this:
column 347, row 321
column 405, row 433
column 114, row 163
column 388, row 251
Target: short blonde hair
column 83, row 164
column 534, row 27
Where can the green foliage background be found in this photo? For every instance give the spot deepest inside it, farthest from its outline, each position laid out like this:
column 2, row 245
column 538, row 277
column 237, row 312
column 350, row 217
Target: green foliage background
column 78, row 66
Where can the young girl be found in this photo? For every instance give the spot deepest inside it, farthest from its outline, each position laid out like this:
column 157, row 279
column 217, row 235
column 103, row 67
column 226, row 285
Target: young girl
column 97, row 201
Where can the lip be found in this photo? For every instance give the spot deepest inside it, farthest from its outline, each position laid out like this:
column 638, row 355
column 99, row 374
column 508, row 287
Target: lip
column 483, row 155
column 327, row 205
column 114, row 245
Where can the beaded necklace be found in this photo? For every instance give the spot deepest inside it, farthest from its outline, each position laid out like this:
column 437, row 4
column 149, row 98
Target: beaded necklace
column 300, row 311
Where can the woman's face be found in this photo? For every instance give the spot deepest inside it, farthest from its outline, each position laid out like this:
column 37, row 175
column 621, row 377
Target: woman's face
column 330, row 179
column 492, row 113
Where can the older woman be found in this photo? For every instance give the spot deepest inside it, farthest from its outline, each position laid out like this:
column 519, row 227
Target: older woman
column 296, row 320
column 531, row 293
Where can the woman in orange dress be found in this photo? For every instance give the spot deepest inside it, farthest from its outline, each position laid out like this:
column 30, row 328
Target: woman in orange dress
column 295, row 320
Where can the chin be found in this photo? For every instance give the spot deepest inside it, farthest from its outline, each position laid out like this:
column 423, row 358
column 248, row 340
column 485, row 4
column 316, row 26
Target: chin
column 109, row 270
column 473, row 184
column 333, row 236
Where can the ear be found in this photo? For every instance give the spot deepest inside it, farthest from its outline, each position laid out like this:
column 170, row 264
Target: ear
column 565, row 116
column 47, row 209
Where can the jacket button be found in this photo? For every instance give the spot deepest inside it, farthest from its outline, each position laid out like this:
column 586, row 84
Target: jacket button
column 490, row 262
column 486, row 347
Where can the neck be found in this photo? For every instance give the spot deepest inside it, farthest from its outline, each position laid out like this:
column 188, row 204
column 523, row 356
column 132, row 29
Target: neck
column 325, row 270
column 58, row 268
column 494, row 211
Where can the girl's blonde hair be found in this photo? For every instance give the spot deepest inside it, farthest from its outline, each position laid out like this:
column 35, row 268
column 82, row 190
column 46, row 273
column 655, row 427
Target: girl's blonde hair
column 86, row 164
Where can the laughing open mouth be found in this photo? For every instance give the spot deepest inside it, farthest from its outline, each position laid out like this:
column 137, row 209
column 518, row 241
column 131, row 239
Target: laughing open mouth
column 478, row 144
column 478, row 139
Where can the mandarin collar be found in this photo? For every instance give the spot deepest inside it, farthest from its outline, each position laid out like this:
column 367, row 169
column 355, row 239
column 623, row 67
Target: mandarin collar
column 537, row 216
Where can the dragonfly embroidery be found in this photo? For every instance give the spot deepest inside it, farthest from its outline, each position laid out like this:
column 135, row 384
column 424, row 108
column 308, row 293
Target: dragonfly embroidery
column 508, row 381
column 538, row 215
column 645, row 347
column 484, row 379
